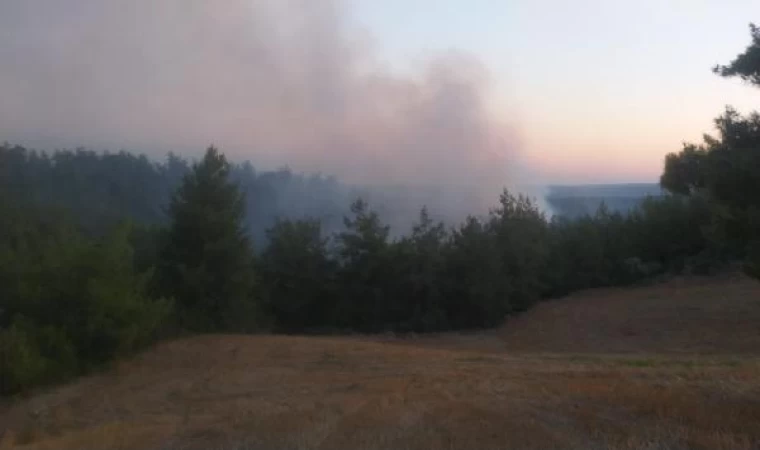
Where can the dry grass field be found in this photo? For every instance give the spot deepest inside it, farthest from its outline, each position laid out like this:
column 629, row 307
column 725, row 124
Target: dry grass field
column 668, row 366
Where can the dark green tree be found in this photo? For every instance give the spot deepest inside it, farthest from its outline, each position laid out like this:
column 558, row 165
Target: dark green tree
column 207, row 262
column 520, row 232
column 577, row 255
column 365, row 270
column 476, row 290
column 747, row 64
column 418, row 260
column 298, row 276
column 725, row 169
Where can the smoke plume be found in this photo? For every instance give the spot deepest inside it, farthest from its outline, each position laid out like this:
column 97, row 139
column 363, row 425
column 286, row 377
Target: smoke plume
column 278, row 82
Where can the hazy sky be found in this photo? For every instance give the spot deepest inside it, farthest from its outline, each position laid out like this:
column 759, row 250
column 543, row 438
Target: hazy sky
column 601, row 89
column 456, row 92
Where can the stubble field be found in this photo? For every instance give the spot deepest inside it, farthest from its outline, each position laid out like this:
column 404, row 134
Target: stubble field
column 669, row 366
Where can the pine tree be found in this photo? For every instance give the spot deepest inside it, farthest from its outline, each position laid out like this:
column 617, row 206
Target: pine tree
column 298, row 275
column 365, row 271
column 207, row 261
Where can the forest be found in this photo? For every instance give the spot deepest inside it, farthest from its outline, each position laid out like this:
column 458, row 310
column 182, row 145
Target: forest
column 104, row 253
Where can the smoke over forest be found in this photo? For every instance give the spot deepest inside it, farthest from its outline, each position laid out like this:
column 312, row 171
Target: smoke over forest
column 280, row 83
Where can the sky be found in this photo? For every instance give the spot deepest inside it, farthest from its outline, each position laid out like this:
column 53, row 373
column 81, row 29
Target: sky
column 600, row 89
column 477, row 94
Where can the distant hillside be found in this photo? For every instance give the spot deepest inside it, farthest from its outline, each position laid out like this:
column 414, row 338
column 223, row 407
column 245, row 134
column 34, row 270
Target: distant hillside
column 578, row 200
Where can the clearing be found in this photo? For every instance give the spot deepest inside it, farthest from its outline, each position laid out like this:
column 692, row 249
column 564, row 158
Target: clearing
column 669, row 366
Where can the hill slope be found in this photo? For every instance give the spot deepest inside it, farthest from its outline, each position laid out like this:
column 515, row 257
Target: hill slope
column 696, row 315
column 669, row 366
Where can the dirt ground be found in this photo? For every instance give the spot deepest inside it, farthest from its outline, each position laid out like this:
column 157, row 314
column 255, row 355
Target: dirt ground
column 669, row 366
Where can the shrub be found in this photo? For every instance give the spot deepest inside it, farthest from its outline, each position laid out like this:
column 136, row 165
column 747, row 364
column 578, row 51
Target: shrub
column 68, row 302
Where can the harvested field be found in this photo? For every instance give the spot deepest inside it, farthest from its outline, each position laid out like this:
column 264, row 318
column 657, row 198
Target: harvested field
column 668, row 366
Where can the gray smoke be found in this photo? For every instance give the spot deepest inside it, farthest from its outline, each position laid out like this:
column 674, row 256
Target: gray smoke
column 278, row 82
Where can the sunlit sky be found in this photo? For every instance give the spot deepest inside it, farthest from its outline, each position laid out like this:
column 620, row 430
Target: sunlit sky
column 601, row 89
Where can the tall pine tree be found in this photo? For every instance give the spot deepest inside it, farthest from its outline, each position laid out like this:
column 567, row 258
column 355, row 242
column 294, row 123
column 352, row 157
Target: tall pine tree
column 207, row 261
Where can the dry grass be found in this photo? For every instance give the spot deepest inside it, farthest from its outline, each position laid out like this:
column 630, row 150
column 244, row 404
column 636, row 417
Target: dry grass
column 674, row 366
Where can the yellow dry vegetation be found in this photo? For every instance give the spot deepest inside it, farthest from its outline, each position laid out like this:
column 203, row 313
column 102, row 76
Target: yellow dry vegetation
column 668, row 366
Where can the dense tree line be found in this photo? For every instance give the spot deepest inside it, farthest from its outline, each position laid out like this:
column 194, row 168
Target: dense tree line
column 473, row 275
column 101, row 189
column 72, row 299
column 80, row 286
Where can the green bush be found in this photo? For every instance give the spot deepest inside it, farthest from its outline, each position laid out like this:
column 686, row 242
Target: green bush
column 32, row 355
column 68, row 302
column 21, row 363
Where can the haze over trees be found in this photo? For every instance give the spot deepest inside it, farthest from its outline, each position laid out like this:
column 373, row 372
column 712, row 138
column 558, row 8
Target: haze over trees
column 102, row 253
